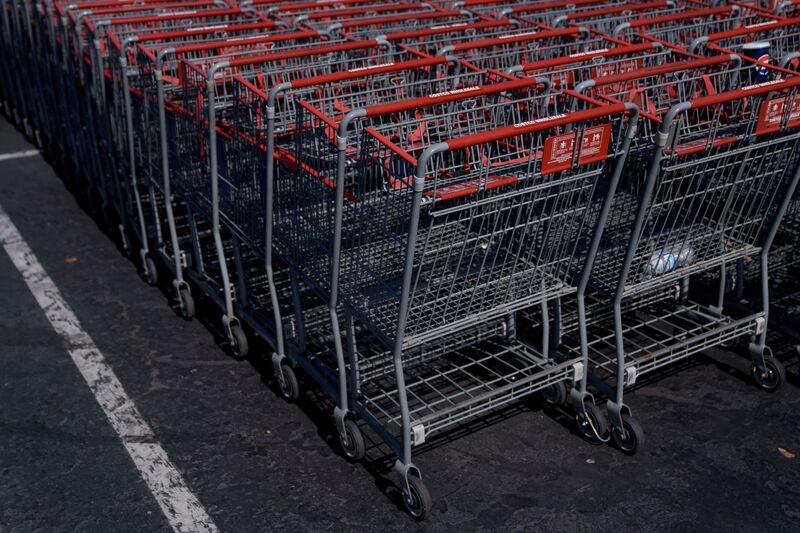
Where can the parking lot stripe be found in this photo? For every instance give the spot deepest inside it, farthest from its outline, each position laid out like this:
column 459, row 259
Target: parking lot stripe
column 181, row 507
column 17, row 155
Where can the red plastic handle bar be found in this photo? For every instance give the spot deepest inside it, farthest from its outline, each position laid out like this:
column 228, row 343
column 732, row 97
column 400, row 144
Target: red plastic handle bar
column 355, row 11
column 695, row 13
column 205, row 30
column 543, row 6
column 287, row 7
column 753, row 28
column 310, row 51
column 450, row 96
column 678, row 66
column 121, row 10
column 387, row 19
column 528, row 6
column 445, row 28
column 361, row 72
column 173, row 15
column 238, row 41
column 532, row 126
column 580, row 15
column 111, row 3
column 744, row 92
column 516, row 38
column 584, row 56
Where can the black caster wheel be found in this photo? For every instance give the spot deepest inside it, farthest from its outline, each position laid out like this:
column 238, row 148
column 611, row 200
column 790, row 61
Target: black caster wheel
column 186, row 303
column 771, row 377
column 593, row 425
column 418, row 500
column 290, row 388
column 633, row 439
column 150, row 271
column 238, row 340
column 352, row 442
column 555, row 395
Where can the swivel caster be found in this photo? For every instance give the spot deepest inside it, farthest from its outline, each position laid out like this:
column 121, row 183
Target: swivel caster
column 186, row 302
column 771, row 377
column 417, row 500
column 592, row 423
column 555, row 395
column 238, row 341
column 288, row 385
column 150, row 272
column 352, row 442
column 629, row 438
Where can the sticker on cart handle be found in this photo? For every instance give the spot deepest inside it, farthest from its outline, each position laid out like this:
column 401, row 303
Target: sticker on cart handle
column 559, row 149
column 772, row 112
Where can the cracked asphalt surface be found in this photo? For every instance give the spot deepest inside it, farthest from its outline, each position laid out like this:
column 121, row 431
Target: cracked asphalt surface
column 257, row 463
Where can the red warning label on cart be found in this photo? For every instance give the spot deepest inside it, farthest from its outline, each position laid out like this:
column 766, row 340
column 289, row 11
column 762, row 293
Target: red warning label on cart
column 559, row 150
column 772, row 113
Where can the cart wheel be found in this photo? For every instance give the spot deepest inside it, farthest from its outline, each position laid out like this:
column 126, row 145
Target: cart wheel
column 352, row 442
column 150, row 271
column 633, row 440
column 418, row 501
column 594, row 425
column 555, row 395
column 238, row 340
column 772, row 377
column 290, row 389
column 186, row 302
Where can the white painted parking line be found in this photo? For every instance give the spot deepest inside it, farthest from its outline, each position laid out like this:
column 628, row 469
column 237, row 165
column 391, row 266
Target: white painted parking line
column 17, row 155
column 183, row 510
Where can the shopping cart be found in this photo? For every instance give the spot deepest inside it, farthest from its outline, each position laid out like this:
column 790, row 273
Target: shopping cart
column 292, row 9
column 266, row 125
column 718, row 181
column 198, row 177
column 509, row 51
column 112, row 108
column 436, row 210
column 784, row 314
column 443, row 224
column 575, row 68
column 684, row 27
column 75, row 27
column 780, row 42
column 545, row 10
column 607, row 19
column 336, row 19
column 656, row 89
column 159, row 84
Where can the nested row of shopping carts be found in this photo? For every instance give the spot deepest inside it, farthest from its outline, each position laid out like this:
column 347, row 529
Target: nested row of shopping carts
column 437, row 209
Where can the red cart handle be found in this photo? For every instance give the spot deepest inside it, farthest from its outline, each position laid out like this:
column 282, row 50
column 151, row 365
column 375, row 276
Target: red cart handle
column 663, row 69
column 753, row 28
column 745, row 92
column 532, row 126
column 583, row 56
column 615, row 9
column 451, row 96
column 300, row 52
column 204, row 30
column 695, row 13
column 516, row 38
